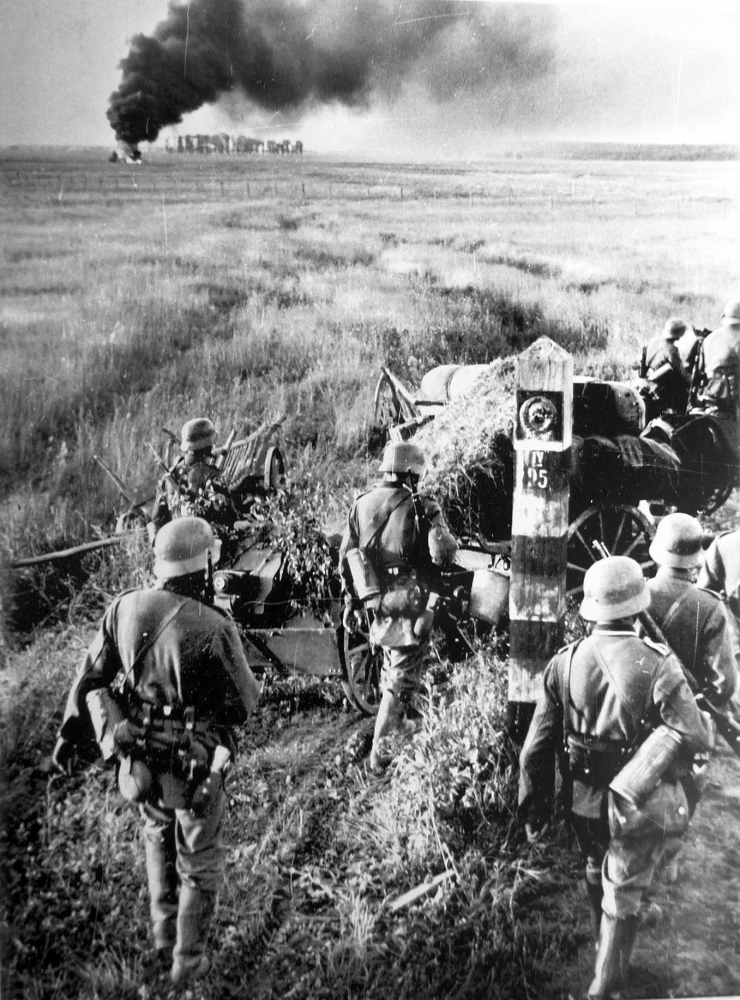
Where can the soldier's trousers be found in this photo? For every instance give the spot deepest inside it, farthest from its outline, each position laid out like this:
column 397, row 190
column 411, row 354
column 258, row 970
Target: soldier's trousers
column 625, row 866
column 402, row 671
column 185, row 859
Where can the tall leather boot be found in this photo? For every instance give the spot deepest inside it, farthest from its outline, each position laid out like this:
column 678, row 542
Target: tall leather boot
column 194, row 916
column 595, row 896
column 607, row 974
column 163, row 885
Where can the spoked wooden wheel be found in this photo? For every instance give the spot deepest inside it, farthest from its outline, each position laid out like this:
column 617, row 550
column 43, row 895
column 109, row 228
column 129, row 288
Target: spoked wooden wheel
column 389, row 409
column 622, row 530
column 362, row 664
column 273, row 475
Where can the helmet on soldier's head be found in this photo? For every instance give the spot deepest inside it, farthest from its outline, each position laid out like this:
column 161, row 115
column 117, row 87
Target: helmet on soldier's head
column 673, row 329
column 182, row 546
column 614, row 588
column 197, row 434
column 677, row 542
column 732, row 310
column 401, row 458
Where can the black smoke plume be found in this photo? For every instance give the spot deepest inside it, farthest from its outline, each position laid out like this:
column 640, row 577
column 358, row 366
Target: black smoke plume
column 297, row 54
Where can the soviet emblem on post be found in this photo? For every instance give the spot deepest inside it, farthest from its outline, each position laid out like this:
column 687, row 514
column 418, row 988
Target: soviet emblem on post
column 539, row 418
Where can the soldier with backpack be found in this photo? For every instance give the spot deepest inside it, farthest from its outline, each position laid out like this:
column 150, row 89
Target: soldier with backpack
column 393, row 538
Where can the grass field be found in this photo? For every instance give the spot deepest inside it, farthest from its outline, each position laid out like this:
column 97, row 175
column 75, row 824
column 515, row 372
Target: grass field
column 132, row 298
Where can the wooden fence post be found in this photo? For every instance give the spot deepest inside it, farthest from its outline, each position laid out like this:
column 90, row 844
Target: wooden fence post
column 542, row 442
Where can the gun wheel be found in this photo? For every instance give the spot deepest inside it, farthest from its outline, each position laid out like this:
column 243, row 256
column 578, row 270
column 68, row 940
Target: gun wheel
column 622, row 529
column 362, row 665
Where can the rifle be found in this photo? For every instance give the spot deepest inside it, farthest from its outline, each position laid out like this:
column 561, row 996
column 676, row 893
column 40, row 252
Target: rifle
column 727, row 727
column 697, row 378
column 168, row 472
column 643, row 364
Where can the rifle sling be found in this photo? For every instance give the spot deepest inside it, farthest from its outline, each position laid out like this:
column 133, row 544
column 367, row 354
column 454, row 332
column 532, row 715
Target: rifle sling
column 380, row 518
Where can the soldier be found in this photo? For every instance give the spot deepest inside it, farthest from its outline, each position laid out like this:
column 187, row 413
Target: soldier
column 722, row 363
column 170, row 722
column 601, row 698
column 694, row 624
column 721, row 570
column 665, row 368
column 393, row 536
column 194, row 486
column 692, row 619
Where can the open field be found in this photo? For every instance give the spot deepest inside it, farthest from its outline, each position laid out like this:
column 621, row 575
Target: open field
column 132, row 298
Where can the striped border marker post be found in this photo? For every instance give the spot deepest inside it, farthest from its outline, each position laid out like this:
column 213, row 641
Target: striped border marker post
column 542, row 441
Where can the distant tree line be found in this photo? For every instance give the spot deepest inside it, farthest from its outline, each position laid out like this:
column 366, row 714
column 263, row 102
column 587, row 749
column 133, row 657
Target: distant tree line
column 626, row 151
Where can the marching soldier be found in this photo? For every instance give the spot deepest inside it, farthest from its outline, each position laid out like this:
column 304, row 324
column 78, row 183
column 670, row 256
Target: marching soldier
column 162, row 687
column 692, row 619
column 393, row 537
column 694, row 624
column 722, row 363
column 665, row 368
column 721, row 569
column 194, row 486
column 601, row 699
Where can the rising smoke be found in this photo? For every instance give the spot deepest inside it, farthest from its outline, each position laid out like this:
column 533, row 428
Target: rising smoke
column 298, row 54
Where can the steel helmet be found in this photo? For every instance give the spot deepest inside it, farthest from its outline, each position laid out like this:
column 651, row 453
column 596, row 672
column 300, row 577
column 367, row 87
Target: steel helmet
column 402, row 458
column 677, row 542
column 182, row 547
column 614, row 588
column 732, row 310
column 673, row 329
column 197, row 434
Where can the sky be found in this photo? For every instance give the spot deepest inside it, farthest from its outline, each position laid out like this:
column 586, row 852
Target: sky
column 660, row 71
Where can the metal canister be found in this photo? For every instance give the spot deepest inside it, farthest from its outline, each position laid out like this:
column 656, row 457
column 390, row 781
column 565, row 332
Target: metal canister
column 489, row 595
column 644, row 772
column 364, row 577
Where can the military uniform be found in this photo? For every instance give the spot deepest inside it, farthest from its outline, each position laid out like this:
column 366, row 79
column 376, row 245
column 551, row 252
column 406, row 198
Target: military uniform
column 695, row 625
column 184, row 679
column 671, row 389
column 606, row 692
column 721, row 570
column 722, row 368
column 383, row 524
column 195, row 488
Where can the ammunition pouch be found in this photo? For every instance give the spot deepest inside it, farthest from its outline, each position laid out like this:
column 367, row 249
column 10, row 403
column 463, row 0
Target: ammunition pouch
column 178, row 749
column 595, row 762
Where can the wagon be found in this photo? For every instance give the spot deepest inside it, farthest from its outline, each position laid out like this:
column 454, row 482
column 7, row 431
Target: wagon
column 626, row 473
column 252, row 466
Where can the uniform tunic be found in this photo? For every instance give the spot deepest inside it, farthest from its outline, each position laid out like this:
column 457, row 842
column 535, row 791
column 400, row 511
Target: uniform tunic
column 399, row 553
column 200, row 491
column 721, row 570
column 695, row 625
column 620, row 687
column 722, row 367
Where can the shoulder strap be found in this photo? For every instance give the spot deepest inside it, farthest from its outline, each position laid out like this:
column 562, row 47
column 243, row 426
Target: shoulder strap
column 618, row 687
column 151, row 639
column 380, row 518
column 671, row 614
